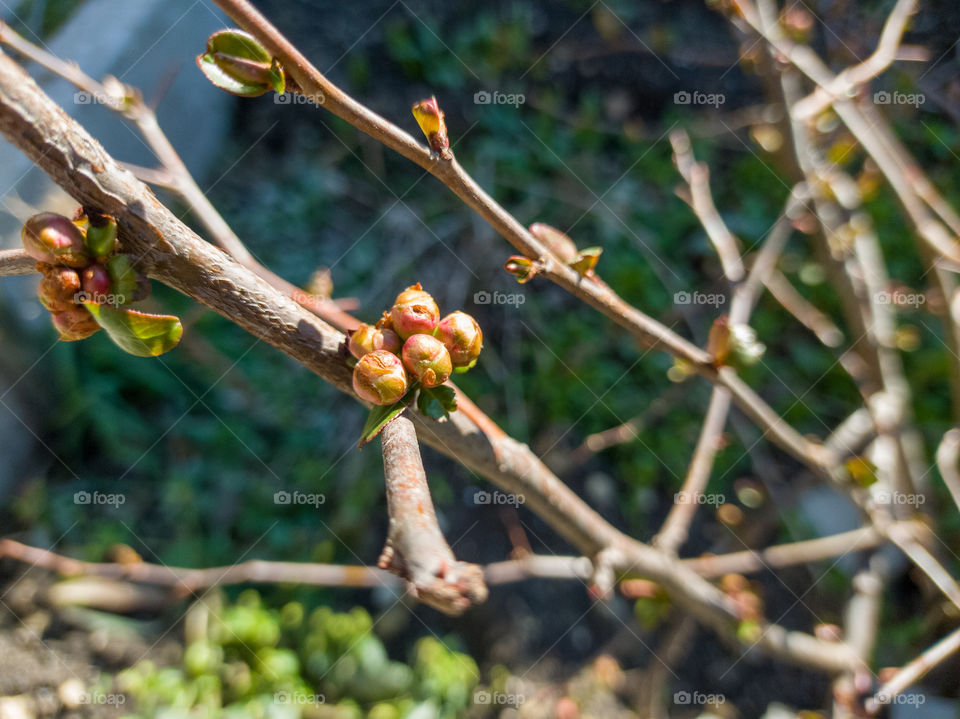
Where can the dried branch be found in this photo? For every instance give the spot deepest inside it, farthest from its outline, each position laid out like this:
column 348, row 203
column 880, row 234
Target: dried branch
column 16, row 262
column 948, row 454
column 415, row 548
column 913, row 671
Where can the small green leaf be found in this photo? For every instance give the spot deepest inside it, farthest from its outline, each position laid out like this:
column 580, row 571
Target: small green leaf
column 100, row 240
column 437, row 402
column 239, row 44
column 277, row 79
column 465, row 368
column 138, row 333
column 586, row 260
column 123, row 278
column 381, row 414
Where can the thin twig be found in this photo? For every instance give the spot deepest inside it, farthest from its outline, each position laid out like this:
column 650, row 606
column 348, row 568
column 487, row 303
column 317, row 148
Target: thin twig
column 913, row 671
column 947, row 456
column 16, row 262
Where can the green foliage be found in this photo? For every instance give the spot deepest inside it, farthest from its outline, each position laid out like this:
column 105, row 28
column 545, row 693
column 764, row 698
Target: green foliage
column 249, row 660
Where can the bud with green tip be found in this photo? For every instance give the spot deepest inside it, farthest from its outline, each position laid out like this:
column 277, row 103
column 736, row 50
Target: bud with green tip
column 54, row 239
column 124, row 281
column 101, row 237
column 427, row 359
column 462, row 337
column 58, row 288
column 414, row 312
column 74, row 324
column 367, row 338
column 235, row 61
column 379, row 378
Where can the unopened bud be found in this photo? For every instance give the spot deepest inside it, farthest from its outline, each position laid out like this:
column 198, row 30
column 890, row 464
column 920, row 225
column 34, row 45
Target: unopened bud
column 101, row 237
column 559, row 243
column 367, row 338
column 430, row 118
column 427, row 359
column 462, row 337
column 124, row 281
column 523, row 268
column 74, row 324
column 58, row 288
column 379, row 378
column 235, row 61
column 54, row 239
column 96, row 283
column 414, row 312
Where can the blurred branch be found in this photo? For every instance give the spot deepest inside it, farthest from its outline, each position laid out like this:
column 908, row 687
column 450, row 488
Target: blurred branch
column 845, row 84
column 415, row 548
column 948, row 454
column 912, row 672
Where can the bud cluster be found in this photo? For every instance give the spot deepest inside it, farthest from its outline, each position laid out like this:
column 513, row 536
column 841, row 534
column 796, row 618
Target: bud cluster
column 412, row 343
column 79, row 264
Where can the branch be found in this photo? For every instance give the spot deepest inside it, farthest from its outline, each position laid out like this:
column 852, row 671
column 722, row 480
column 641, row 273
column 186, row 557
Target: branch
column 16, row 262
column 171, row 253
column 415, row 548
column 912, row 672
column 845, row 84
column 947, row 455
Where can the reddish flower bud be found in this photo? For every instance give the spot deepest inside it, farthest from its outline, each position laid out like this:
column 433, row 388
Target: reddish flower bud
column 427, row 359
column 414, row 312
column 58, row 288
column 430, row 118
column 96, row 284
column 379, row 377
column 462, row 337
column 559, row 243
column 54, row 239
column 74, row 324
column 367, row 338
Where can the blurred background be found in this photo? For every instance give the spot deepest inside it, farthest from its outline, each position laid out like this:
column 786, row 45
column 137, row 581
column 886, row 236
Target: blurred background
column 561, row 110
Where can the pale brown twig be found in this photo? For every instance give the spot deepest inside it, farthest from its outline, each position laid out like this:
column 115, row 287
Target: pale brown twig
column 913, row 671
column 16, row 262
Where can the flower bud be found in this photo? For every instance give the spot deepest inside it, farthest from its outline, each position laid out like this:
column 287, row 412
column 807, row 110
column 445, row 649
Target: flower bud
column 58, row 288
column 427, row 359
column 96, row 284
column 367, row 338
column 379, row 378
column 523, row 268
column 414, row 312
column 74, row 324
column 235, row 61
column 101, row 237
column 462, row 337
column 559, row 243
column 54, row 239
column 430, row 118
